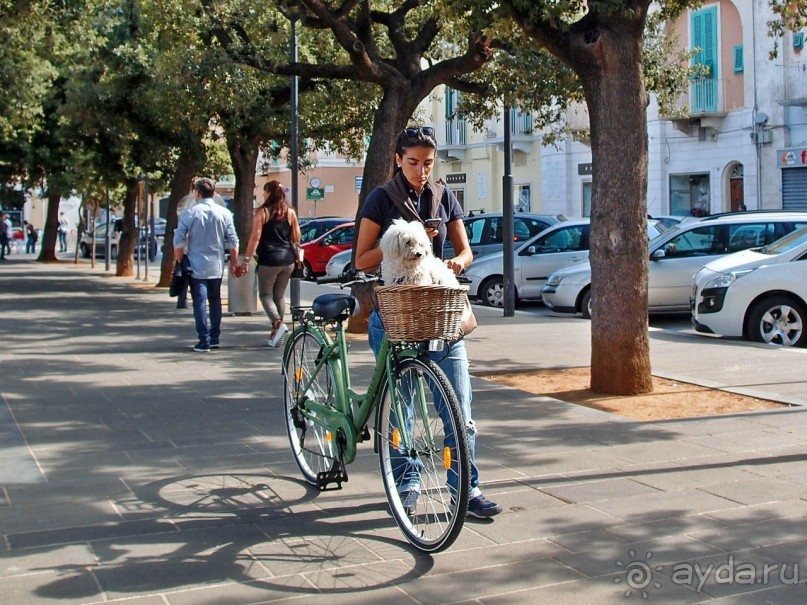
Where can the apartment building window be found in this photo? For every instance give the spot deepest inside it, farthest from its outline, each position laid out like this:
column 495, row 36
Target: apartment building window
column 689, row 194
column 520, row 121
column 523, row 198
column 586, row 198
column 703, row 37
column 455, row 123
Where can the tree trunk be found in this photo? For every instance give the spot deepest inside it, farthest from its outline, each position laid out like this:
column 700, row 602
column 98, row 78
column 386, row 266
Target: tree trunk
column 47, row 251
column 189, row 163
column 392, row 116
column 128, row 238
column 617, row 101
column 244, row 157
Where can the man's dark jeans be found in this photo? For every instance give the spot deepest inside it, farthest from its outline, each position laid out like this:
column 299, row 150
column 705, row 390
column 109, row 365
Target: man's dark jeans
column 207, row 291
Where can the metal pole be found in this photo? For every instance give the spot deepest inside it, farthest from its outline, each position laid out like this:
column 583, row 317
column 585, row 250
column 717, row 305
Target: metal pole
column 295, row 284
column 507, row 221
column 147, row 244
column 107, row 246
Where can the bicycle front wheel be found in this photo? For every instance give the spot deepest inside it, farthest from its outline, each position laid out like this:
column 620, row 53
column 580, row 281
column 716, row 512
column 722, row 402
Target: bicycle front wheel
column 423, row 451
column 313, row 447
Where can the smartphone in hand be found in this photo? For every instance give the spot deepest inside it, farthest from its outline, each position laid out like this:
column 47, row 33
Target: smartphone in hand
column 432, row 222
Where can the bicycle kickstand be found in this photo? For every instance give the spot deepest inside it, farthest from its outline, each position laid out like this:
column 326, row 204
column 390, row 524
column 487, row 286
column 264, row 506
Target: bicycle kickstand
column 337, row 473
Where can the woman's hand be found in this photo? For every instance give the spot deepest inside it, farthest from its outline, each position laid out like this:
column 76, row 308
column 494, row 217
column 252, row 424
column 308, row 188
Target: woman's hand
column 455, row 266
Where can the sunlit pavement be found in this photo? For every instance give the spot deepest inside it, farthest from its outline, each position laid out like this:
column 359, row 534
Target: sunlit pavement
column 135, row 470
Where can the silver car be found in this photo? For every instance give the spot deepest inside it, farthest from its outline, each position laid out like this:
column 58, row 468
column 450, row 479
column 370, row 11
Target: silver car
column 675, row 256
column 561, row 245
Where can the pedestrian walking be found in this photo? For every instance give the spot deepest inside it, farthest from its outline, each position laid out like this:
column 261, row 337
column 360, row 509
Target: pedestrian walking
column 275, row 237
column 204, row 233
column 64, row 227
column 6, row 233
column 31, row 237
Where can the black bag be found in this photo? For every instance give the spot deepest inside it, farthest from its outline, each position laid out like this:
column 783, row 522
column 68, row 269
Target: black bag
column 299, row 269
column 181, row 278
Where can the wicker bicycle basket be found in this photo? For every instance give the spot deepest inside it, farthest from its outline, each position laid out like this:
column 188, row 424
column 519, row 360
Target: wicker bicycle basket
column 417, row 313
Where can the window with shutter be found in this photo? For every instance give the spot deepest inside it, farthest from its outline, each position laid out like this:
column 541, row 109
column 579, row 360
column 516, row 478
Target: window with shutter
column 704, row 38
column 738, row 59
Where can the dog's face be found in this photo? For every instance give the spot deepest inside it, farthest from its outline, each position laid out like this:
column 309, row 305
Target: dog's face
column 405, row 241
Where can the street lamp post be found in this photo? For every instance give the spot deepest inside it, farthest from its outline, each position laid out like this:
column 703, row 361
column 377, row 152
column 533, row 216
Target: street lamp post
column 507, row 220
column 294, row 290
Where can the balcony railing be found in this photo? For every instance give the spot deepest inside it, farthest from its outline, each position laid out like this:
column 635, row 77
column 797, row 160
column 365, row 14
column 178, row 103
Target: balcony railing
column 705, row 96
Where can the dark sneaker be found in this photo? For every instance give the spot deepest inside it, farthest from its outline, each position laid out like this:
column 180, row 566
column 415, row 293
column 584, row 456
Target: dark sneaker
column 482, row 508
column 214, row 343
column 201, row 347
column 409, row 500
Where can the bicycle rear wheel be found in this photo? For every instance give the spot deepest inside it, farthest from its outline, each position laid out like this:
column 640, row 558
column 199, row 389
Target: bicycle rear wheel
column 423, row 452
column 313, row 447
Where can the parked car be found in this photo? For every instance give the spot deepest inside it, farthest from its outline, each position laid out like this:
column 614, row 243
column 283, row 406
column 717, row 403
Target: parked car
column 759, row 294
column 675, row 256
column 159, row 226
column 669, row 220
column 85, row 244
column 86, row 241
column 322, row 249
column 314, row 228
column 485, row 230
column 339, row 263
column 561, row 245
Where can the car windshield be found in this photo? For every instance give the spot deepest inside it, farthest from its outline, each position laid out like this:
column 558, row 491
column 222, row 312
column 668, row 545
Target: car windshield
column 788, row 242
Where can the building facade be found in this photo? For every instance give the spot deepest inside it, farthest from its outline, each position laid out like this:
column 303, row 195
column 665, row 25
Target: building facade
column 739, row 139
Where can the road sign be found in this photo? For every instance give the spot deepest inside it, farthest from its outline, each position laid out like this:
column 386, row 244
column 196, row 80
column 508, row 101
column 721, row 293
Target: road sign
column 314, row 193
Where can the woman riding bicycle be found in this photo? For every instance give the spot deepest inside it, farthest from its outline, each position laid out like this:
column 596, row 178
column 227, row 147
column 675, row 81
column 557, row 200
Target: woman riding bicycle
column 412, row 194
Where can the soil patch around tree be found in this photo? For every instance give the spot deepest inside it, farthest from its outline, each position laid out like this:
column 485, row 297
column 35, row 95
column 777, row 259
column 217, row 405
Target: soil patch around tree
column 670, row 398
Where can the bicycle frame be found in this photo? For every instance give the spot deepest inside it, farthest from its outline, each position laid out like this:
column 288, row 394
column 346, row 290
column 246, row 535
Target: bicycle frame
column 340, row 418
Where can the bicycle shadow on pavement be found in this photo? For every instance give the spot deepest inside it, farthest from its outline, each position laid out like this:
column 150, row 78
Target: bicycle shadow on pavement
column 259, row 531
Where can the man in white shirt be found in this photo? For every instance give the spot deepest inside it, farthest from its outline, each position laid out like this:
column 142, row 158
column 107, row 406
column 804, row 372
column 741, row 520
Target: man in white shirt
column 6, row 235
column 204, row 232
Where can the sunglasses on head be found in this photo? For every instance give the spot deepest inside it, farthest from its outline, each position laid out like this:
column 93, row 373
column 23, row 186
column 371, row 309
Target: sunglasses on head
column 413, row 132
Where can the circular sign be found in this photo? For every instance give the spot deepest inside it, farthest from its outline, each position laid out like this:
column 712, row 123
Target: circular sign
column 315, row 182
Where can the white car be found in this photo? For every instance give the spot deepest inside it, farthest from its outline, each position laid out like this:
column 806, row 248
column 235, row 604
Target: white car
column 339, row 263
column 675, row 256
column 757, row 294
column 561, row 245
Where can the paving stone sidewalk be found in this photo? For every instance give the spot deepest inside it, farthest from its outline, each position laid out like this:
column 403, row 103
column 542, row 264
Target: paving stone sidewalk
column 133, row 470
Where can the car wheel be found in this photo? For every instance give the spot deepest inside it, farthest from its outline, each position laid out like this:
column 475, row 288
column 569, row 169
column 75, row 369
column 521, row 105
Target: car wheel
column 85, row 251
column 492, row 291
column 585, row 304
column 778, row 320
column 308, row 272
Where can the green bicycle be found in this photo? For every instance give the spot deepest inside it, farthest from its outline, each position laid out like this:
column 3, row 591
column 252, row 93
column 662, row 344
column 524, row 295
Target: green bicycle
column 418, row 429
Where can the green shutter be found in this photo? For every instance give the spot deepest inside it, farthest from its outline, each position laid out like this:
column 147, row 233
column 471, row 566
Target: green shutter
column 449, row 103
column 704, row 38
column 738, row 59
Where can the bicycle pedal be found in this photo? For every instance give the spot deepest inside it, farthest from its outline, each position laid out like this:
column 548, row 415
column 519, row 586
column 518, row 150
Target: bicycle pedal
column 365, row 433
column 336, row 475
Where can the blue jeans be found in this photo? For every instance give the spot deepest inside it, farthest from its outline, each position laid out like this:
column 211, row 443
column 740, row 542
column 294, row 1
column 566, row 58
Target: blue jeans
column 454, row 364
column 207, row 291
column 62, row 241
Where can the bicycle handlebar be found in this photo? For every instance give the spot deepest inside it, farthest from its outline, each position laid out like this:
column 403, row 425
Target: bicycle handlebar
column 348, row 278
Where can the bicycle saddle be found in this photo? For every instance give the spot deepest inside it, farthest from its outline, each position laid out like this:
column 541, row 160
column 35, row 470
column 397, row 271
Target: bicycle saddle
column 332, row 306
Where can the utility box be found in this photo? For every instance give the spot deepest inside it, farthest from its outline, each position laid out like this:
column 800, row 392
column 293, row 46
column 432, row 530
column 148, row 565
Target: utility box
column 242, row 292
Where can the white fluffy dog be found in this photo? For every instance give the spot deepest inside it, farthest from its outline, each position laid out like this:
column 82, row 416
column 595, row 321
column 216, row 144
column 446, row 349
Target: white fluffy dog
column 408, row 257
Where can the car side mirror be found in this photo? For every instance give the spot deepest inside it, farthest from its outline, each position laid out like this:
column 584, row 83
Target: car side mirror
column 658, row 254
column 531, row 251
